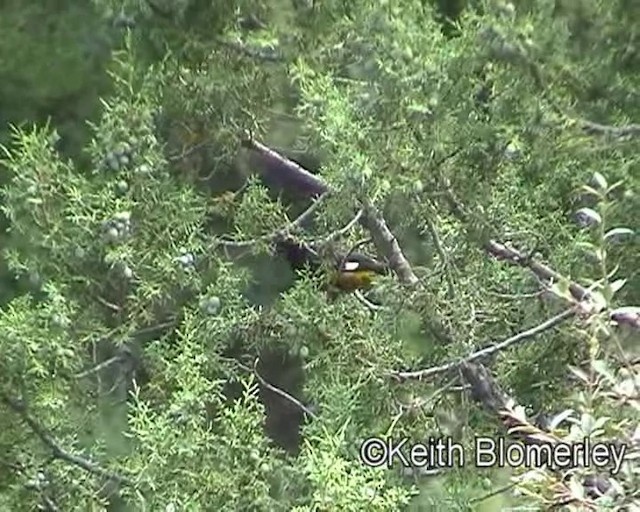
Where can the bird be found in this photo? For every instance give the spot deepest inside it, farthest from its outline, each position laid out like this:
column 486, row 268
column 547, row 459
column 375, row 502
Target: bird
column 357, row 271
column 347, row 272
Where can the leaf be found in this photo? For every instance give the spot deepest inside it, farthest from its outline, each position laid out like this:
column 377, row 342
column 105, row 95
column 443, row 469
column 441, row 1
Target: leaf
column 561, row 289
column 577, row 489
column 610, row 289
column 559, row 418
column 600, row 422
column 613, row 272
column 580, row 374
column 599, row 254
column 599, row 181
column 588, row 216
column 520, row 413
column 615, row 186
column 586, row 245
column 617, row 284
column 591, row 190
column 618, row 233
column 586, row 423
column 419, row 109
column 602, row 369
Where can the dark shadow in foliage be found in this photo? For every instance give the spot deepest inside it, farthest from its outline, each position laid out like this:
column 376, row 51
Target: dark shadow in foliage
column 448, row 13
column 272, row 275
column 283, row 419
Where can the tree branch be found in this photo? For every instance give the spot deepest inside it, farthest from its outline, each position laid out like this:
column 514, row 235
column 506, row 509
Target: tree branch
column 267, row 54
column 443, row 258
column 387, row 244
column 275, row 389
column 629, row 315
column 487, row 351
column 282, row 232
column 340, row 232
column 484, row 389
column 290, row 175
column 503, row 252
column 57, row 451
column 100, row 366
column 285, row 172
column 614, row 131
column 545, row 273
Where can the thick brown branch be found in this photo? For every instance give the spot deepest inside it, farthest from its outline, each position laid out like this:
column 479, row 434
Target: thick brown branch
column 545, row 273
column 387, row 243
column 285, row 172
column 290, row 175
column 515, row 257
column 484, row 388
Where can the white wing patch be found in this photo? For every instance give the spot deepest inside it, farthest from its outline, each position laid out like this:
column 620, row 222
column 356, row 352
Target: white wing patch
column 350, row 266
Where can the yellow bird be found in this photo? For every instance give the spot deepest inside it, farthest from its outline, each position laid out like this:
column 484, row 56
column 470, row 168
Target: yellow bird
column 354, row 271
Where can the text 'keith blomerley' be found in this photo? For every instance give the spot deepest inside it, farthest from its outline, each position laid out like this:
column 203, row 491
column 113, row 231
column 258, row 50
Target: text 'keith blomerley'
column 489, row 452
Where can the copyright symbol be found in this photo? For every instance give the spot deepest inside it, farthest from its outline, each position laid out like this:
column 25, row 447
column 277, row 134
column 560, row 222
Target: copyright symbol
column 374, row 452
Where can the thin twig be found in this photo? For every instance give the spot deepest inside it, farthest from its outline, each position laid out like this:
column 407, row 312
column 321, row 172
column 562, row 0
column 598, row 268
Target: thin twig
column 498, row 491
column 47, row 503
column 443, row 258
column 57, row 451
column 367, row 302
column 487, row 351
column 295, row 224
column 340, row 232
column 117, row 382
column 282, row 393
column 186, row 152
column 276, row 390
column 108, row 304
column 267, row 54
column 152, row 329
column 516, row 296
column 98, row 367
column 353, row 249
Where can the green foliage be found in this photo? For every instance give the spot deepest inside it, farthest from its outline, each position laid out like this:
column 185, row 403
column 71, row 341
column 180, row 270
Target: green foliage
column 52, row 65
column 328, row 470
column 146, row 343
column 227, row 461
